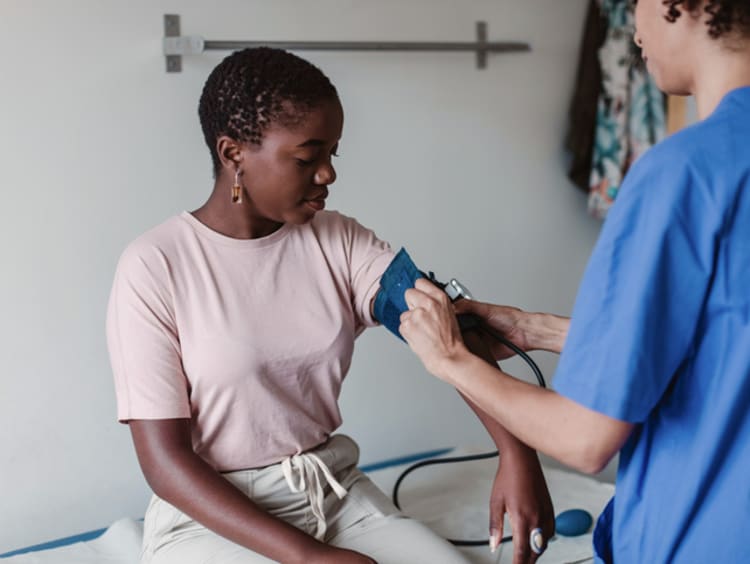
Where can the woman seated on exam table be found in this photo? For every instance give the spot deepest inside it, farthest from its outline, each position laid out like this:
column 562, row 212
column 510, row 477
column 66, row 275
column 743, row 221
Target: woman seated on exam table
column 230, row 331
column 655, row 360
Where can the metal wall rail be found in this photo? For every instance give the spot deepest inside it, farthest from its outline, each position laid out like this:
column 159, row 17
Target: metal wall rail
column 176, row 46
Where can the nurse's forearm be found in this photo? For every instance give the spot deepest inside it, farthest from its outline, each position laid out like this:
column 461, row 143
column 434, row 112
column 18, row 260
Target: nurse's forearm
column 544, row 420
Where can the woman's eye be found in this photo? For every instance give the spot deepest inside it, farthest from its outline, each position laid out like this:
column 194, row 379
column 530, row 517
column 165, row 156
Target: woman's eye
column 304, row 162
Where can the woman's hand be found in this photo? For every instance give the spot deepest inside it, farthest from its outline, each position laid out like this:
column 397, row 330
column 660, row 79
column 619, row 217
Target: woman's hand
column 519, row 488
column 327, row 554
column 430, row 327
column 521, row 491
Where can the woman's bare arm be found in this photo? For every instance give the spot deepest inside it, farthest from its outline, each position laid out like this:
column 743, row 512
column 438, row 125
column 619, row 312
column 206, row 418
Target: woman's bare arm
column 182, row 478
column 519, row 489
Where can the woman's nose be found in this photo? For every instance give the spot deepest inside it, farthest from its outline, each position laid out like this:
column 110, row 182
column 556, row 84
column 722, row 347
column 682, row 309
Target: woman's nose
column 326, row 174
column 637, row 39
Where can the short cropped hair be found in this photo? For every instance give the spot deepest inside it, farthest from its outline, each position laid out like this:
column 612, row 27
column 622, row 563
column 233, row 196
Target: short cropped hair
column 254, row 88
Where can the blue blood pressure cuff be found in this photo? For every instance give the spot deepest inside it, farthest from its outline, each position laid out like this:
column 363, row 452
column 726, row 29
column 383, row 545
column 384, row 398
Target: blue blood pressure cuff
column 401, row 275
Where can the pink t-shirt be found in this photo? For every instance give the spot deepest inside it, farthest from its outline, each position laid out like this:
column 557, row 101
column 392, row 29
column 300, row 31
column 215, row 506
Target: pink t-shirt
column 250, row 338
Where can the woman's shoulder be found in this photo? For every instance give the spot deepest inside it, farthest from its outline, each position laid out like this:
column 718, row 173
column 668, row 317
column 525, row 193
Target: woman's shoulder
column 333, row 222
column 333, row 217
column 154, row 245
column 336, row 231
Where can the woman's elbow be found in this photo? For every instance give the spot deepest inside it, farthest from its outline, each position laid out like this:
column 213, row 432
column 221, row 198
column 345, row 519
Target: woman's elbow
column 164, row 452
column 156, row 474
column 157, row 485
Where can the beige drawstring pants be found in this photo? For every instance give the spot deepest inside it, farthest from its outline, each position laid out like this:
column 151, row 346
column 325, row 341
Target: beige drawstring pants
column 321, row 492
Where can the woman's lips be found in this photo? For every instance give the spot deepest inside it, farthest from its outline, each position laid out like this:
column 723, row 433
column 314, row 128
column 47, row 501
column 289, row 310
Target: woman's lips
column 318, row 201
column 317, row 204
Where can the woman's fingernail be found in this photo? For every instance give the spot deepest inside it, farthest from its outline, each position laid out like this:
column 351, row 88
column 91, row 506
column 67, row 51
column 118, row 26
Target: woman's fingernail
column 494, row 540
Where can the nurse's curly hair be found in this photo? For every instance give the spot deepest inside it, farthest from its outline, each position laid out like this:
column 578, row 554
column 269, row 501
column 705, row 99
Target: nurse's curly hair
column 254, row 88
column 726, row 16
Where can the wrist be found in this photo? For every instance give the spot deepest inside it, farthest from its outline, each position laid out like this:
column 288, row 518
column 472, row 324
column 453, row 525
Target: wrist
column 519, row 455
column 452, row 367
column 513, row 448
column 544, row 331
column 308, row 550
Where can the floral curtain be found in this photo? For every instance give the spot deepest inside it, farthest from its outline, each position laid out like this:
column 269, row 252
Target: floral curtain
column 630, row 109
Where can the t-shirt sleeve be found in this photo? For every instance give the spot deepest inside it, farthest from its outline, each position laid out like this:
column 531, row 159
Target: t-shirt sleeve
column 142, row 338
column 368, row 259
column 640, row 301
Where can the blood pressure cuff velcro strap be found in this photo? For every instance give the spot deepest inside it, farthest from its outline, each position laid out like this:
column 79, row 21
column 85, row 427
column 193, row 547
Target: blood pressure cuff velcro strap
column 400, row 275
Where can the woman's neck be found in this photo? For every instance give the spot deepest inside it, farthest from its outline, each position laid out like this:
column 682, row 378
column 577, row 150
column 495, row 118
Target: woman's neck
column 234, row 220
column 719, row 73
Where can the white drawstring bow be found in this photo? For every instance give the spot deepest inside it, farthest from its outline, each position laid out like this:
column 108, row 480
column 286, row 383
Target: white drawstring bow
column 307, row 467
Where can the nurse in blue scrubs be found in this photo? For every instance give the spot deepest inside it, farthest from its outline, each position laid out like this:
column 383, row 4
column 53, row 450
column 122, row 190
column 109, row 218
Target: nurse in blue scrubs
column 655, row 360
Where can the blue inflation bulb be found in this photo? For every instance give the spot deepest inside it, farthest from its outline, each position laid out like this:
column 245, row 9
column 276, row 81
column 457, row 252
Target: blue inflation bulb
column 573, row 522
column 400, row 275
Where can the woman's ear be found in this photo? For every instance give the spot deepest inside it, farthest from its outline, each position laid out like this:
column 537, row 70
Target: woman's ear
column 229, row 151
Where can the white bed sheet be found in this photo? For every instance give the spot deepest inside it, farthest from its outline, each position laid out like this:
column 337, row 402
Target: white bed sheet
column 452, row 499
column 119, row 544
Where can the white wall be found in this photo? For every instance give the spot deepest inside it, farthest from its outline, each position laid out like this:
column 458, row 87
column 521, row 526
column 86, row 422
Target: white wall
column 98, row 143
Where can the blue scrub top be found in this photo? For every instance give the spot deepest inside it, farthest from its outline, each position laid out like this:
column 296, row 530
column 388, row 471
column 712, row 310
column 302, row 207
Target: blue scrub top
column 660, row 337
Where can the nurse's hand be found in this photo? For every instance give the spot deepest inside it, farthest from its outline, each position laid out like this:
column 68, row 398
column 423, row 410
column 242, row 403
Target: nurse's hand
column 504, row 320
column 430, row 327
column 528, row 331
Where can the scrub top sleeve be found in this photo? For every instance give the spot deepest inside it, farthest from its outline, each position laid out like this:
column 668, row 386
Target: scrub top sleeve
column 639, row 304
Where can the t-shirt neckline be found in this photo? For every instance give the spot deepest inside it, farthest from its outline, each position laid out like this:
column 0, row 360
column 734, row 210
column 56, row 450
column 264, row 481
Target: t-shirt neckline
column 204, row 231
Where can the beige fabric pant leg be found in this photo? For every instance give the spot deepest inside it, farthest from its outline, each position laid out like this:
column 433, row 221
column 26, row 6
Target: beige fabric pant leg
column 365, row 520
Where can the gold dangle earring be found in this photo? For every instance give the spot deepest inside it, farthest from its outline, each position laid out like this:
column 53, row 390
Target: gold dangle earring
column 237, row 188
